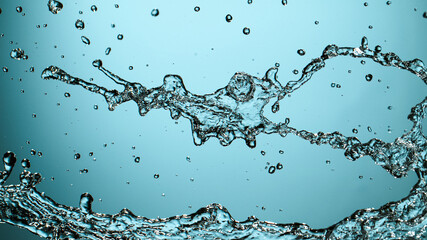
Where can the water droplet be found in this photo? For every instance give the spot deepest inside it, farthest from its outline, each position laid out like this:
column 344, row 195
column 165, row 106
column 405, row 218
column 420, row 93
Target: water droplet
column 5, row 69
column 155, row 12
column 281, row 151
column 389, row 107
column 116, row 5
column 196, row 8
column 9, row 160
column 31, row 69
column 277, row 64
column 316, row 22
column 90, row 154
column 370, row 27
column 425, row 14
column 131, row 68
column 163, row 194
column 388, row 2
column 271, row 169
column 33, row 152
column 86, row 203
column 85, row 40
column 34, row 115
column 107, row 51
column 363, row 62
column 77, row 156
column 355, row 131
column 279, row 166
column 97, row 63
column 246, row 31
column 192, row 179
column 284, row 2
column 295, row 71
column 93, row 8
column 338, row 85
column 378, row 48
column 368, row 77
column 188, row 159
column 156, row 176
column 365, row 4
column 19, row 9
column 54, row 6
column 360, row 177
column 228, row 18
column 249, row 1
column 67, row 94
column 80, row 25
column 120, row 36
column 83, row 171
column 18, row 54
column 40, row 154
column 263, row 153
column 95, row 107
column 301, row 52
column 25, row 163
column 137, row 159
column 328, row 162
column 369, row 129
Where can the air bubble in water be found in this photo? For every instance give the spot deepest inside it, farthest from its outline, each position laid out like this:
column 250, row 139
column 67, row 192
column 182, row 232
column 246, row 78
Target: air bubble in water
column 80, row 25
column 85, row 40
column 77, row 156
column 107, row 51
column 284, row 2
column 33, row 152
column 131, row 68
column 281, row 151
column 83, row 171
column 19, row 9
column 295, row 71
column 368, row 77
column 228, row 18
column 18, row 54
column 54, row 6
column 271, row 169
column 95, row 107
column 67, row 94
column 378, row 48
column 93, row 8
column 120, row 36
column 365, row 4
column 389, row 107
column 301, row 52
column 246, row 30
column 369, row 129
column 155, row 12
column 355, row 131
column 425, row 14
column 137, row 159
column 388, row 2
column 249, row 1
column 316, row 22
column 5, row 69
column 156, row 176
column 196, row 8
column 263, row 153
column 116, row 5
column 25, row 163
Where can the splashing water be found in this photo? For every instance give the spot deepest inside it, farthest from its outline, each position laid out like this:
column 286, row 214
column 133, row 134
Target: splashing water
column 235, row 111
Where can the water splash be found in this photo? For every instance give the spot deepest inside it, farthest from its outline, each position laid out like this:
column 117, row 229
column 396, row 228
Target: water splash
column 235, row 111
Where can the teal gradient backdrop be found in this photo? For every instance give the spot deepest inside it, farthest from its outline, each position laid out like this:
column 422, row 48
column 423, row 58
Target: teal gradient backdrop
column 206, row 50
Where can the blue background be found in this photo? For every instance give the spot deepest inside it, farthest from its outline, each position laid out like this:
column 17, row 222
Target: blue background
column 206, row 51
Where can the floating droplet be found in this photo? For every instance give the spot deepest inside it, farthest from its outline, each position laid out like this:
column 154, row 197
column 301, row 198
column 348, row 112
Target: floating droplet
column 80, row 24
column 90, row 154
column 120, row 36
column 192, row 179
column 116, row 5
column 19, row 9
column 197, row 8
column 33, row 152
column 77, row 156
column 83, row 171
column 188, row 159
column 355, row 131
column 67, row 94
column 95, row 107
column 389, row 107
column 155, row 12
column 369, row 129
column 9, row 160
column 271, row 169
column 93, row 8
column 137, row 159
column 263, row 153
column 25, row 163
column 31, row 69
column 107, row 51
column 18, row 54
column 34, row 115
column 130, row 67
column 368, row 77
column 85, row 40
column 388, row 2
column 228, row 18
column 363, row 62
column 246, row 31
column 295, row 71
column 54, row 6
column 361, row 177
column 5, row 69
column 425, row 15
column 281, row 151
column 365, row 4
column 316, row 22
column 378, row 48
column 40, row 154
column 249, row 1
column 156, row 176
column 279, row 166
column 284, row 2
column 328, row 162
column 301, row 52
